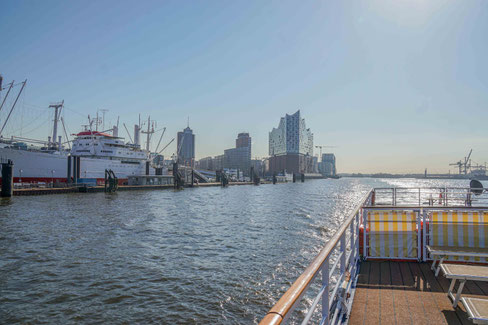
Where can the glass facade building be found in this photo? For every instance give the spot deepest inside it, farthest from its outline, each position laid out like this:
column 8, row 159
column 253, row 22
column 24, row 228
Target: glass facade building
column 291, row 146
column 186, row 147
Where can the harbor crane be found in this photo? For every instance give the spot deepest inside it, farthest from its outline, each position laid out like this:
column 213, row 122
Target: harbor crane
column 320, row 147
column 465, row 165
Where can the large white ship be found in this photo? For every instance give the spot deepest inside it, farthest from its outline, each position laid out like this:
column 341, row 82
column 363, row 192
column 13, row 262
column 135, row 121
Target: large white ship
column 97, row 151
column 91, row 153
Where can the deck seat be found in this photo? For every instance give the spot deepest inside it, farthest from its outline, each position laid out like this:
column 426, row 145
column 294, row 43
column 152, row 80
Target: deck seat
column 463, row 273
column 392, row 234
column 477, row 309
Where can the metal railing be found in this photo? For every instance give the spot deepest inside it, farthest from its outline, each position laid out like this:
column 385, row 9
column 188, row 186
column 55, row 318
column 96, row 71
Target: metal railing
column 338, row 264
column 429, row 196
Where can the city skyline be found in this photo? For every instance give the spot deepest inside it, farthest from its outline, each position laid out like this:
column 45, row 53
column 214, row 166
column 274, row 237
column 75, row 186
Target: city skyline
column 395, row 87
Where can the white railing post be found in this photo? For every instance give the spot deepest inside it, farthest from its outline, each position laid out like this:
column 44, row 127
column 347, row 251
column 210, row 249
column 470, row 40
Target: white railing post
column 357, row 233
column 353, row 243
column 343, row 251
column 325, row 294
column 419, row 237
column 365, row 233
column 424, row 235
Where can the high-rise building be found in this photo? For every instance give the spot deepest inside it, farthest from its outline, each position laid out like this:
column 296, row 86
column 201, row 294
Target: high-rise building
column 240, row 156
column 328, row 165
column 291, row 146
column 186, row 147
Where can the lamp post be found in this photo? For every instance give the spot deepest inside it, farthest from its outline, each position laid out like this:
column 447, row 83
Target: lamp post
column 52, row 175
column 20, row 176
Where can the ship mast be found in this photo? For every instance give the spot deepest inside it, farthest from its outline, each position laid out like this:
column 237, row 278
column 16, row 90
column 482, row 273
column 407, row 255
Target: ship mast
column 150, row 130
column 57, row 112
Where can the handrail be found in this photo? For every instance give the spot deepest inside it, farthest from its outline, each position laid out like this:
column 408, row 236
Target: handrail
column 283, row 308
column 429, row 196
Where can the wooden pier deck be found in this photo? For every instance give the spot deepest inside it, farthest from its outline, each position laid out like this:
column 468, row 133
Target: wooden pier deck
column 407, row 293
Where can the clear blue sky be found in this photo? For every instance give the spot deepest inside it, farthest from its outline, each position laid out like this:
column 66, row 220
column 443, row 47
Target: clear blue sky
column 395, row 85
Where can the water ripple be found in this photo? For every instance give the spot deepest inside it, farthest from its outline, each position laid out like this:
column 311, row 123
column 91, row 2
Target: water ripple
column 207, row 255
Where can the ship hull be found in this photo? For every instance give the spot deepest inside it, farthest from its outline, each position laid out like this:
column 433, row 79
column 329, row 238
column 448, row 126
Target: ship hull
column 44, row 167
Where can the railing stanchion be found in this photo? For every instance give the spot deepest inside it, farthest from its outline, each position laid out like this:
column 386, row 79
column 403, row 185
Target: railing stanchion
column 343, row 251
column 325, row 294
column 424, row 235
column 365, row 233
column 353, row 243
column 357, row 234
column 419, row 237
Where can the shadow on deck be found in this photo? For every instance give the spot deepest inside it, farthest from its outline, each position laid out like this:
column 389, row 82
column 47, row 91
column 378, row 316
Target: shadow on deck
column 407, row 293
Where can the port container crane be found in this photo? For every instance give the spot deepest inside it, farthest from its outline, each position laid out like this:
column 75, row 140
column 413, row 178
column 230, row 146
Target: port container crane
column 465, row 165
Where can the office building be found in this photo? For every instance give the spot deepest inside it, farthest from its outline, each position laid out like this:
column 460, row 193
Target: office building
column 186, row 147
column 240, row 156
column 328, row 165
column 291, row 146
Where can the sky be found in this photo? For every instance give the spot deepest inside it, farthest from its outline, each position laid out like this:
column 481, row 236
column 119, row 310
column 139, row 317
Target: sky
column 395, row 86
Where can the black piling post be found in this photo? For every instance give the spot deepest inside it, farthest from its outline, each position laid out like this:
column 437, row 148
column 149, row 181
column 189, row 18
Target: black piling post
column 68, row 175
column 303, row 177
column 75, row 170
column 192, row 177
column 7, row 179
column 147, row 167
column 294, row 177
column 274, row 178
column 106, row 180
column 175, row 175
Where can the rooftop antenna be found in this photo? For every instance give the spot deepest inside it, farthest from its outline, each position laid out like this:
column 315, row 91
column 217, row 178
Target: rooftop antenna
column 188, row 122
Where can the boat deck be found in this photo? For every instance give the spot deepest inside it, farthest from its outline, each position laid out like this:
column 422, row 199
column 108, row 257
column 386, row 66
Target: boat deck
column 391, row 292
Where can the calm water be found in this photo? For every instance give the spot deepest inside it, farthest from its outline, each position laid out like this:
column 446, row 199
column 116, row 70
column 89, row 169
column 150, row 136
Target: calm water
column 209, row 255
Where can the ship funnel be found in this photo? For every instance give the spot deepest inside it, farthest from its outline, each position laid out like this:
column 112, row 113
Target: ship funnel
column 137, row 133
column 115, row 131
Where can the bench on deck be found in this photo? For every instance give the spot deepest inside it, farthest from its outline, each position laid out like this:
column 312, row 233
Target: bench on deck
column 462, row 273
column 477, row 309
column 440, row 253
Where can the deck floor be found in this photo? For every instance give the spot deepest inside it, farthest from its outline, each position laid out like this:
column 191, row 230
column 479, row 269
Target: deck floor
column 407, row 293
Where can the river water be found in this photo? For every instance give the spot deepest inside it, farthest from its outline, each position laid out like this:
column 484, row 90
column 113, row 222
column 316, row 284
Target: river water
column 203, row 255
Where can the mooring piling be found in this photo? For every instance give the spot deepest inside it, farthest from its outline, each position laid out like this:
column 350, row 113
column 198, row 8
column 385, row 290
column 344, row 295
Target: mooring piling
column 7, row 178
